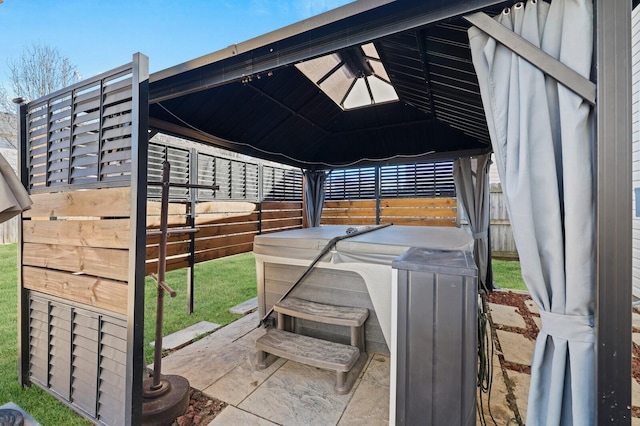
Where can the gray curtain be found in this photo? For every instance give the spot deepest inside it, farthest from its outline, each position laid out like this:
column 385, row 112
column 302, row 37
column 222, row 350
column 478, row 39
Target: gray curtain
column 472, row 186
column 13, row 197
column 314, row 195
column 543, row 142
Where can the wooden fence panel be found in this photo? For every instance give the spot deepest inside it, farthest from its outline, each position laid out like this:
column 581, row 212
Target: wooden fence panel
column 94, row 291
column 224, row 228
column 400, row 211
column 100, row 262
column 76, row 246
column 349, row 212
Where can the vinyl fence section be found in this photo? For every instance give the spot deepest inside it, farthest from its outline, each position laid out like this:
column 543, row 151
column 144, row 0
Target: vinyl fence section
column 502, row 243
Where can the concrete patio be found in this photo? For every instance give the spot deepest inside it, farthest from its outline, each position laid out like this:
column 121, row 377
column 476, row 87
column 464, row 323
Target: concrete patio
column 222, row 365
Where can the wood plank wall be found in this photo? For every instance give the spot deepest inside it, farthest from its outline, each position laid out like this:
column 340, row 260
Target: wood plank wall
column 400, row 211
column 76, row 246
column 225, row 228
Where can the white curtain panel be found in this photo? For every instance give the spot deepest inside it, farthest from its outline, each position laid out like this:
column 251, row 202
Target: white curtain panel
column 13, row 197
column 543, row 142
column 314, row 195
column 472, row 185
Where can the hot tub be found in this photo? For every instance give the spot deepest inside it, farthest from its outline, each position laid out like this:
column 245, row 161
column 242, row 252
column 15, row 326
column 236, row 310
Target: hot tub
column 357, row 272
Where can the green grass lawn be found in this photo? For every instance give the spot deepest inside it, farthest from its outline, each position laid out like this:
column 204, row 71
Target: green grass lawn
column 219, row 285
column 507, row 275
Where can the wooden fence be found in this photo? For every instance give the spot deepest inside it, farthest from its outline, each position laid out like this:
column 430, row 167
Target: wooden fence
column 502, row 243
column 237, row 221
column 224, row 228
column 422, row 212
column 400, row 211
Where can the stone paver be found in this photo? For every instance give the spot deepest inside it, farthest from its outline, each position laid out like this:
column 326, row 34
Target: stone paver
column 187, row 335
column 515, row 347
column 538, row 322
column 240, row 382
column 370, row 402
column 498, row 402
column 635, row 318
column 521, row 383
column 298, row 394
column 506, row 315
column 531, row 305
column 207, row 360
column 635, row 393
column 232, row 416
column 636, row 338
column 245, row 307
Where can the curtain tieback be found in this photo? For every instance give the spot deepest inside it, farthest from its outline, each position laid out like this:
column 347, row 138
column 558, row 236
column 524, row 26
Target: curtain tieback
column 479, row 235
column 576, row 328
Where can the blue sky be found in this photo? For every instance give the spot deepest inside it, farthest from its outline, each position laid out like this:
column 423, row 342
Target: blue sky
column 99, row 35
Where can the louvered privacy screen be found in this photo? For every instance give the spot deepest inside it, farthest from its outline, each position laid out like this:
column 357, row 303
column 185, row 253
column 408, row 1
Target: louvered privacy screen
column 84, row 156
column 81, row 136
column 236, row 179
column 93, row 344
column 281, row 184
column 433, row 179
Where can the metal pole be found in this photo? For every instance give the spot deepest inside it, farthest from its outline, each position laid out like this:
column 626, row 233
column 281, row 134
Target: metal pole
column 613, row 204
column 23, row 301
column 136, row 365
column 193, row 192
column 162, row 257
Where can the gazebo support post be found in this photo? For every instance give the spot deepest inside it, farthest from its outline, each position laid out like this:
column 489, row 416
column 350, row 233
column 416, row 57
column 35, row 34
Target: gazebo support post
column 613, row 214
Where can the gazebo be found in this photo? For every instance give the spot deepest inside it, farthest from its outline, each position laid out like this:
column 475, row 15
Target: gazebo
column 372, row 82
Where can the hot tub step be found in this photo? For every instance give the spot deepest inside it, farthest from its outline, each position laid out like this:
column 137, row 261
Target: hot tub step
column 314, row 352
column 320, row 312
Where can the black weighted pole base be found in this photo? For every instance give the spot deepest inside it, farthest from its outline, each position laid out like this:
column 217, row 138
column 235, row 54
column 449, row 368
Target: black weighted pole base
column 161, row 406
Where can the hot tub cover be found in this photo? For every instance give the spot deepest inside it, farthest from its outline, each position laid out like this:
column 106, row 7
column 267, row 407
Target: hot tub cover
column 381, row 246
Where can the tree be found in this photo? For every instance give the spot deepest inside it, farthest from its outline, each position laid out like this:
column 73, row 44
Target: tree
column 5, row 102
column 40, row 70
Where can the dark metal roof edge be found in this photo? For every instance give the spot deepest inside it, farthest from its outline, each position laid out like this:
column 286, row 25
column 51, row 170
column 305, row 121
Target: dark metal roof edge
column 294, row 29
column 368, row 24
column 192, row 134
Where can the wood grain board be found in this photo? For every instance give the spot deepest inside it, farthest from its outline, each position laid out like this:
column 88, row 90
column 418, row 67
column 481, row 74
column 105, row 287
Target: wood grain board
column 109, row 202
column 281, row 205
column 101, row 293
column 92, row 233
column 225, row 207
column 418, row 202
column 418, row 211
column 101, row 262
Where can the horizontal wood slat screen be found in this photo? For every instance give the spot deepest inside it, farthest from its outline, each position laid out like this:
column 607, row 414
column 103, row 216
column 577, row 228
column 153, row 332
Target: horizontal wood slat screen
column 224, row 228
column 400, row 211
column 76, row 246
column 93, row 291
column 79, row 232
column 100, row 262
column 112, row 202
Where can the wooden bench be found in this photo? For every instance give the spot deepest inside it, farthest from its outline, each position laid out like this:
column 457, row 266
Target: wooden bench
column 346, row 360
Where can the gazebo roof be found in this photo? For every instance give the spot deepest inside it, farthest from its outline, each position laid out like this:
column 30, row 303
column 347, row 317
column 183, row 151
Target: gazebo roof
column 253, row 97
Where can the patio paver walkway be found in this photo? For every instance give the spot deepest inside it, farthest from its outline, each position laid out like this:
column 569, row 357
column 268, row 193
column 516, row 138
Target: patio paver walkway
column 223, row 365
